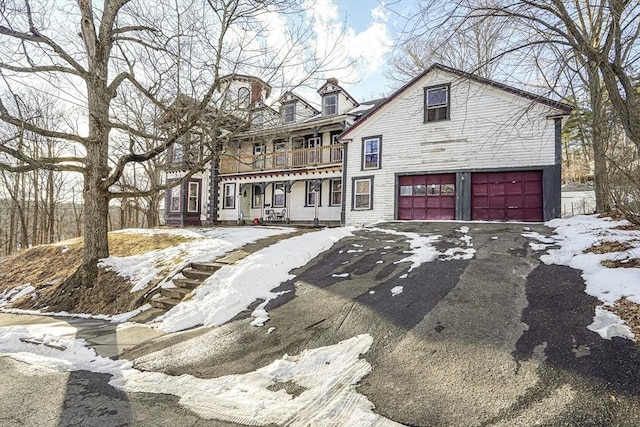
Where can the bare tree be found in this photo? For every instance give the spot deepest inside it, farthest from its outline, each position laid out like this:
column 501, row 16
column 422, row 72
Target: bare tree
column 604, row 34
column 157, row 50
column 440, row 33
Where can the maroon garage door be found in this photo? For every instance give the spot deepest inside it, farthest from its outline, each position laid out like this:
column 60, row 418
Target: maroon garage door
column 507, row 196
column 427, row 196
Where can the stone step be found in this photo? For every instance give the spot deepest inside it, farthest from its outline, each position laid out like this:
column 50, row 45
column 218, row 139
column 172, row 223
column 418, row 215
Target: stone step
column 210, row 267
column 178, row 293
column 165, row 303
column 187, row 283
column 192, row 273
column 233, row 257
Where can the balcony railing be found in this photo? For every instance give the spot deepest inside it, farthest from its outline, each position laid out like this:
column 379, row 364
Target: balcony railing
column 283, row 160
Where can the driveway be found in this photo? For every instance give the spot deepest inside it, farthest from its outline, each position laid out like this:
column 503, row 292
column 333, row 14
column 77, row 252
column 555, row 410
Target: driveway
column 483, row 334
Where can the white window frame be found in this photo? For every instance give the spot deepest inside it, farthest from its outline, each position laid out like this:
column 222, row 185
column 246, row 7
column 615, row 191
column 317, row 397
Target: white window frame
column 255, row 197
column 333, row 106
column 177, row 153
column 244, row 93
column 279, row 186
column 310, row 194
column 175, row 199
column 430, row 107
column 229, row 196
column 365, row 153
column 289, row 113
column 368, row 194
column 193, row 195
column 333, row 192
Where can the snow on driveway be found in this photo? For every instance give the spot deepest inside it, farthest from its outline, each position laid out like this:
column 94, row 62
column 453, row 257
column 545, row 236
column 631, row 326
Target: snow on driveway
column 576, row 234
column 326, row 376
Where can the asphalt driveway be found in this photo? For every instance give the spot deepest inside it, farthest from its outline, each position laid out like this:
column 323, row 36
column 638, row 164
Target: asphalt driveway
column 499, row 339
column 496, row 339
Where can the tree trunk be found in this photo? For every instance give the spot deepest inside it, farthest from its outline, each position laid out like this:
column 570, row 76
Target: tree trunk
column 598, row 134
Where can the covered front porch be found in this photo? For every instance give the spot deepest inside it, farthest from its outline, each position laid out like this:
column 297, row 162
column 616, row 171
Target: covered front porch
column 313, row 201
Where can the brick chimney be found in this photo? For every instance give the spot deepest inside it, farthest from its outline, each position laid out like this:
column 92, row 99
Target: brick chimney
column 256, row 92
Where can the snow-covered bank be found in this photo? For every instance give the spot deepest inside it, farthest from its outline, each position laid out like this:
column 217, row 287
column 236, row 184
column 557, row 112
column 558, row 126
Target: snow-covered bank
column 206, row 245
column 233, row 288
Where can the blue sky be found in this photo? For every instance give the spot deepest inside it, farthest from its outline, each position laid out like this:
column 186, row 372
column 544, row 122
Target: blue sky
column 372, row 29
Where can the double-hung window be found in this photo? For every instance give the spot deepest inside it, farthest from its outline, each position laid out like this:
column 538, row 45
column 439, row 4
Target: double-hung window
column 362, row 193
column 330, row 105
column 278, row 195
column 193, row 197
column 336, row 192
column 229, row 196
column 289, row 113
column 175, row 199
column 177, row 153
column 371, row 152
column 311, row 194
column 436, row 103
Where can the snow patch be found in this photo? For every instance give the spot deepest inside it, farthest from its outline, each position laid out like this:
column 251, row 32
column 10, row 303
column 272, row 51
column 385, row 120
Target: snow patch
column 609, row 325
column 233, row 288
column 396, row 290
column 328, row 374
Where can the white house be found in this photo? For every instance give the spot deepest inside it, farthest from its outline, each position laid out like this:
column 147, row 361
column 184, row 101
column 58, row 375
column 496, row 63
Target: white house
column 280, row 165
column 451, row 145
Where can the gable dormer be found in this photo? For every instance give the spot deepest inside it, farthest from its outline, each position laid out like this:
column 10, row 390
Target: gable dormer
column 335, row 100
column 294, row 108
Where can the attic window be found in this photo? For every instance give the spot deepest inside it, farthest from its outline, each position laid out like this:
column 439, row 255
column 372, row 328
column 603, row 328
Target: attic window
column 436, row 103
column 289, row 113
column 243, row 97
column 330, row 105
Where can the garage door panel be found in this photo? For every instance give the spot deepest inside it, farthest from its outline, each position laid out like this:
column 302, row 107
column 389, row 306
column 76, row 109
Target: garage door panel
column 532, row 187
column 532, row 201
column 419, row 202
column 431, row 196
column 480, row 202
column 497, row 202
column 533, row 214
column 404, row 213
column 510, row 196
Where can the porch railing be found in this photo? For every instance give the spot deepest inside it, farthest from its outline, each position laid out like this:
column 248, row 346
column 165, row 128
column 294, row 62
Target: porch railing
column 283, row 160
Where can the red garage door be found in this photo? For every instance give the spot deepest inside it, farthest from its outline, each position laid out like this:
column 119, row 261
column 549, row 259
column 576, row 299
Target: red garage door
column 427, row 197
column 507, row 196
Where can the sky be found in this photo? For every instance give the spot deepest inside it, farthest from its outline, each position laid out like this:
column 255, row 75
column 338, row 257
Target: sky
column 371, row 29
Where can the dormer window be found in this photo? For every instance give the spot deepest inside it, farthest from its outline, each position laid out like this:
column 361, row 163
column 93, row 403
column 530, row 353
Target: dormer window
column 330, row 104
column 243, row 97
column 289, row 113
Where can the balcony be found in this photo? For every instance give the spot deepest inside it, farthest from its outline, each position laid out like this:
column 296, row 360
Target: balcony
column 283, row 160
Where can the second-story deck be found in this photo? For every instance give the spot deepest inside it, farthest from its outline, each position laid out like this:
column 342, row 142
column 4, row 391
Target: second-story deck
column 283, row 160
